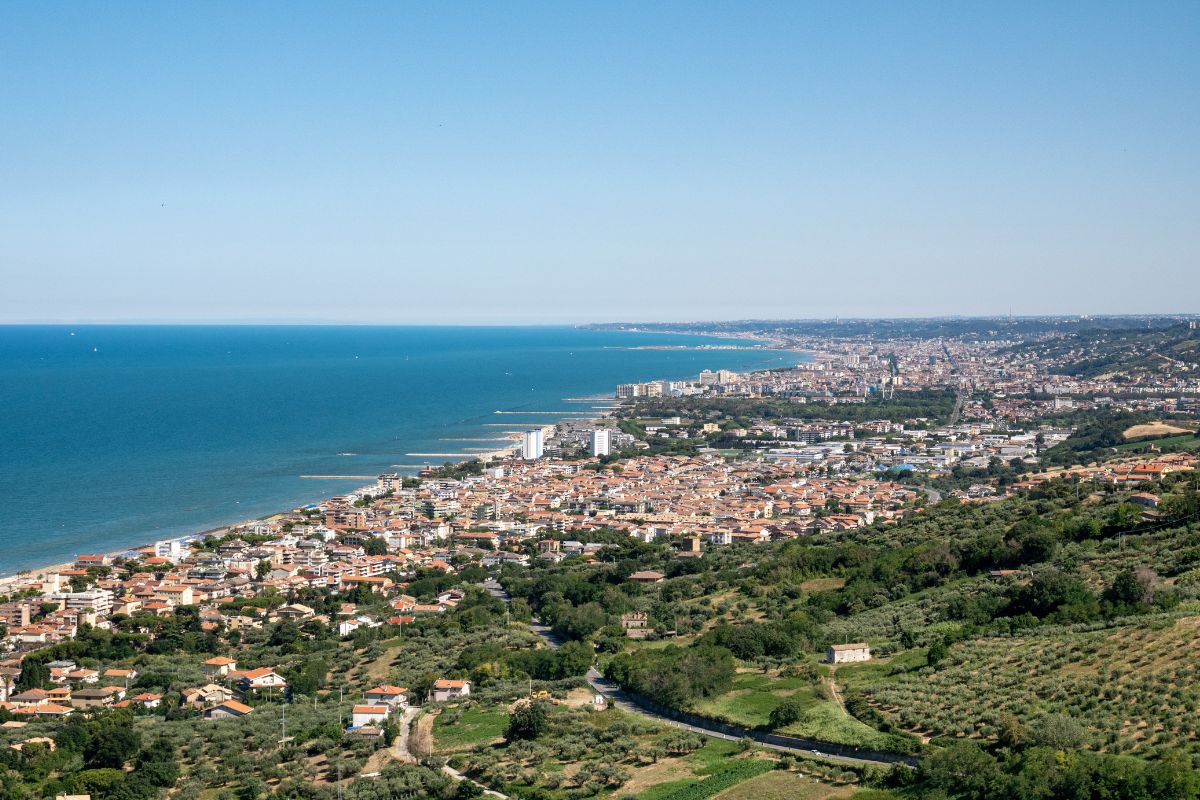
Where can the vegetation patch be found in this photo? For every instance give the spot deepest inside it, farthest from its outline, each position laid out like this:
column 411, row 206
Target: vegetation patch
column 460, row 728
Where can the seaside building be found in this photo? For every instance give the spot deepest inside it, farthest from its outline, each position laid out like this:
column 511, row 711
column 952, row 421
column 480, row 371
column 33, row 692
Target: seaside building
column 98, row 600
column 600, row 442
column 628, row 390
column 171, row 549
column 531, row 445
column 721, row 377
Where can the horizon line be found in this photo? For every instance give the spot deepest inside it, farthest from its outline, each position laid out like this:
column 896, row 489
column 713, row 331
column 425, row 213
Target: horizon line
column 286, row 322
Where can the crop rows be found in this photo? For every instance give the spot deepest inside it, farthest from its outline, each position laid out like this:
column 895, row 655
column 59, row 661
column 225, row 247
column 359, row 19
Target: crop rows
column 1136, row 687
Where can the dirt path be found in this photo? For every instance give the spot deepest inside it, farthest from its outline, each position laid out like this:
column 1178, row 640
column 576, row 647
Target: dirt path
column 420, row 743
column 405, row 725
column 458, row 776
column 836, row 691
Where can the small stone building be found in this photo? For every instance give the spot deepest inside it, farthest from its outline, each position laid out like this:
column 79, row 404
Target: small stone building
column 848, row 653
column 635, row 624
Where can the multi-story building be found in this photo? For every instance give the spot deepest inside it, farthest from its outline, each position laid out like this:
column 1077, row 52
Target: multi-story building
column 99, row 600
column 531, row 445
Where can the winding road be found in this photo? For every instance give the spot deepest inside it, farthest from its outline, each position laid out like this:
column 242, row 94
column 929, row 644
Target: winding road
column 635, row 705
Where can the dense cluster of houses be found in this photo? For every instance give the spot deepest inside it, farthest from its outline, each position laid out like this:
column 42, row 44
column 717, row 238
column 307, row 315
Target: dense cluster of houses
column 73, row 687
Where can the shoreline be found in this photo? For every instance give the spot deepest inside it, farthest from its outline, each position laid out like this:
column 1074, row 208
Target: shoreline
column 11, row 581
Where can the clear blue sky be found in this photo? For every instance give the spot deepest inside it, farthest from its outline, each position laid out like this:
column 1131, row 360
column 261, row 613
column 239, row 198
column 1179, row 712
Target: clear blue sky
column 563, row 162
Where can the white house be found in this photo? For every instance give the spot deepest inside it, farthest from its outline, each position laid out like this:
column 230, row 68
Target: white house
column 446, row 689
column 847, row 653
column 219, row 666
column 390, row 696
column 261, row 678
column 368, row 715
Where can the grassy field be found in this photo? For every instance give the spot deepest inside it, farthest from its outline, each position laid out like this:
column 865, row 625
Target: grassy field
column 826, row 722
column 462, row 729
column 711, row 780
column 754, row 696
column 1186, row 441
column 777, row 785
column 1135, row 685
column 659, row 781
column 857, row 676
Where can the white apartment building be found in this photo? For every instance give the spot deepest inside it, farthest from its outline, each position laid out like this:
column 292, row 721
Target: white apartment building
column 99, row 600
column 170, row 549
column 601, row 442
column 531, row 445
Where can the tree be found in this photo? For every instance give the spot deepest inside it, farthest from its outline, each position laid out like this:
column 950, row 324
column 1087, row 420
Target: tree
column 251, row 789
column 467, row 789
column 519, row 610
column 937, row 652
column 963, row 770
column 573, row 659
column 1131, row 590
column 1010, row 732
column 114, row 744
column 1058, row 732
column 528, row 720
column 789, row 712
column 261, row 569
column 34, row 675
column 375, row 546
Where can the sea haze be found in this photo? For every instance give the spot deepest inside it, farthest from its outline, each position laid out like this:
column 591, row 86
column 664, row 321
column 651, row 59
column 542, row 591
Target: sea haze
column 114, row 436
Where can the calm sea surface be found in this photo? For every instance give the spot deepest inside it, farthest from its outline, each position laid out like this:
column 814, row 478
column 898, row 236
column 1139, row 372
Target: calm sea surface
column 114, row 436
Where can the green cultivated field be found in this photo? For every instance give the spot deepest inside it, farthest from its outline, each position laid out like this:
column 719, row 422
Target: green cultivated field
column 462, row 729
column 1136, row 687
column 754, row 697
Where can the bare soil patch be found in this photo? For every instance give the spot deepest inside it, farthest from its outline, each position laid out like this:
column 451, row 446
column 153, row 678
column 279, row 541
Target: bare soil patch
column 1153, row 429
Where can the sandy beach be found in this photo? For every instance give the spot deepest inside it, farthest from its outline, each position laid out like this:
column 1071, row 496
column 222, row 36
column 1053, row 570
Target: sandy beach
column 9, row 583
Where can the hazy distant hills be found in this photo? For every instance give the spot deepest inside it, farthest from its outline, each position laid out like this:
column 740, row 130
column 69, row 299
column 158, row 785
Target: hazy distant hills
column 1091, row 353
column 999, row 329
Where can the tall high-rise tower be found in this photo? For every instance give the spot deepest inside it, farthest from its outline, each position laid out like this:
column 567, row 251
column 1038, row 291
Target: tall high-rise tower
column 531, row 445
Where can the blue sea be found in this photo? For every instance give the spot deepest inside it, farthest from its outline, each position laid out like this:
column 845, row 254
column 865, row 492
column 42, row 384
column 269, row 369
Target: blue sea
column 115, row 436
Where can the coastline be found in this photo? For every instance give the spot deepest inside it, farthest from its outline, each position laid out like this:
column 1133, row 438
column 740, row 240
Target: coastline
column 10, row 581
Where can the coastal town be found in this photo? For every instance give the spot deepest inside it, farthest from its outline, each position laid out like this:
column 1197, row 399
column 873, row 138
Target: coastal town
column 673, row 480
column 741, row 480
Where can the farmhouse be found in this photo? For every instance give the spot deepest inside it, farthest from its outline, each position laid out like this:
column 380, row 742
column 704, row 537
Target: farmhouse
column 368, row 715
column 846, row 653
column 390, row 696
column 261, row 678
column 230, row 708
column 446, row 689
column 219, row 666
column 634, row 624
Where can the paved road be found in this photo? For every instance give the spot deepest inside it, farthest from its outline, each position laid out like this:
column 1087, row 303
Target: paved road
column 402, row 751
column 626, row 702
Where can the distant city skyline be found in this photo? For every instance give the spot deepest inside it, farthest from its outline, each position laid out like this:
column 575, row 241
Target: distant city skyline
column 567, row 163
